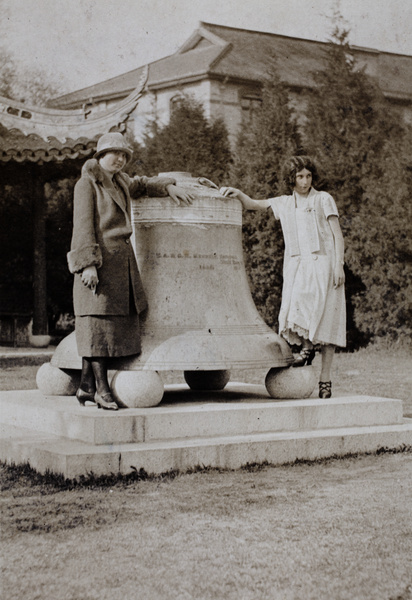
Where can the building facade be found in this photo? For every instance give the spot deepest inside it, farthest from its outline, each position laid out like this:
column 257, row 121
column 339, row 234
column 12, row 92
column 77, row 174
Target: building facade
column 223, row 67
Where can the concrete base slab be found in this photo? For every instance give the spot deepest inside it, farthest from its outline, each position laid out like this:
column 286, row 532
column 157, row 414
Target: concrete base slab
column 227, row 429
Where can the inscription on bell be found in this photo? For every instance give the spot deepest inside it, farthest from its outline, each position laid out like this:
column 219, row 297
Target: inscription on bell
column 223, row 259
column 218, row 259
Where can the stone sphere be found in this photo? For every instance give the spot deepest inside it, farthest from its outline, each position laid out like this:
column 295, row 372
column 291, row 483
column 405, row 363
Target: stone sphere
column 291, row 383
column 137, row 389
column 207, row 380
column 52, row 381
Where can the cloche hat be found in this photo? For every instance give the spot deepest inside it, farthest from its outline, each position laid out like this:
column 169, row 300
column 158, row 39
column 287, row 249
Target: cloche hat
column 110, row 142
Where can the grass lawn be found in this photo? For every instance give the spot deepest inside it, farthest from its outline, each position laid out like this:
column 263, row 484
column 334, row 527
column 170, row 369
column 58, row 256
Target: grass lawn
column 339, row 529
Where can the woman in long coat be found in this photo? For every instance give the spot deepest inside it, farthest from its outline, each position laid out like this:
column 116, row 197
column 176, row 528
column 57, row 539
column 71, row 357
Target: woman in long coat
column 108, row 294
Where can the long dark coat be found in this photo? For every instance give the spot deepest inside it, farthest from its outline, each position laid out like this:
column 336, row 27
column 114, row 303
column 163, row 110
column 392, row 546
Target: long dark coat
column 102, row 227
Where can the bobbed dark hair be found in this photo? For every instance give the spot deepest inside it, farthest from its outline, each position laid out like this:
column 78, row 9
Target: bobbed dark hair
column 293, row 165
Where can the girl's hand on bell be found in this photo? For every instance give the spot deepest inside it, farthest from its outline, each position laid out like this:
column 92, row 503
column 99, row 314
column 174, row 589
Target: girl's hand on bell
column 179, row 195
column 89, row 277
column 338, row 276
column 229, row 192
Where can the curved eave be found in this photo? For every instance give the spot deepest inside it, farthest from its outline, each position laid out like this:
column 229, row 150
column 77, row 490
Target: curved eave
column 16, row 147
column 44, row 156
column 68, row 124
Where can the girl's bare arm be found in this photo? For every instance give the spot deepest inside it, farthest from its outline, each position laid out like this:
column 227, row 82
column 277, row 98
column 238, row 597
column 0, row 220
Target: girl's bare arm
column 247, row 202
column 338, row 272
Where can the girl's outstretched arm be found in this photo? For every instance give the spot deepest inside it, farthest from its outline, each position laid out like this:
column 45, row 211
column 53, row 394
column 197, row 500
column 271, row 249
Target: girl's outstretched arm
column 247, row 202
column 338, row 272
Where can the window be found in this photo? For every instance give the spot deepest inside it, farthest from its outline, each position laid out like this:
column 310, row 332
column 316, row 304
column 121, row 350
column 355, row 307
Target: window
column 175, row 102
column 249, row 104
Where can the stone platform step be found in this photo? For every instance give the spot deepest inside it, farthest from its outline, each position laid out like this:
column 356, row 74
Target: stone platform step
column 227, row 430
column 19, row 357
column 239, row 409
column 72, row 458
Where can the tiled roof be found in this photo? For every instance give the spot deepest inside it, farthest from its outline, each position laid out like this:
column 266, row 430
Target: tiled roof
column 18, row 147
column 239, row 54
column 298, row 58
column 117, row 86
column 183, row 66
column 394, row 74
column 251, row 51
column 174, row 67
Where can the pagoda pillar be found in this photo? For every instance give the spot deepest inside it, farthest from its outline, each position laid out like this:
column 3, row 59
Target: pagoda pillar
column 40, row 320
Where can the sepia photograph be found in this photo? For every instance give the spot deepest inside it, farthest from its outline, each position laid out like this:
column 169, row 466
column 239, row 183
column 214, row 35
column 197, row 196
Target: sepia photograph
column 206, row 300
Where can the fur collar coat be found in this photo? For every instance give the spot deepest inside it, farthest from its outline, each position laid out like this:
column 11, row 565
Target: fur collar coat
column 102, row 227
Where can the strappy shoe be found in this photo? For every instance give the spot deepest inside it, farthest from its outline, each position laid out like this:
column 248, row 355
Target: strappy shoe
column 83, row 396
column 305, row 357
column 105, row 401
column 325, row 389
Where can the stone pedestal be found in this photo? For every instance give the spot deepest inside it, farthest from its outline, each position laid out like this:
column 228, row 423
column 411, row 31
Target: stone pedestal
column 226, row 429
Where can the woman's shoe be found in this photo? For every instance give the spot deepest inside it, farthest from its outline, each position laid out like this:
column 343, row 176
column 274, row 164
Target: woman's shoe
column 105, row 401
column 83, row 396
column 325, row 389
column 305, row 357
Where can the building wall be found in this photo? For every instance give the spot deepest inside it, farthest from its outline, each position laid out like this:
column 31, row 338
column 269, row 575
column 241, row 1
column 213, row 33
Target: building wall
column 156, row 105
column 230, row 101
column 404, row 111
column 227, row 101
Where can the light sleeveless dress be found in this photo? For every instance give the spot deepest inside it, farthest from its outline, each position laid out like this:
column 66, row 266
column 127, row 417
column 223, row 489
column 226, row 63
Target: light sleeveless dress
column 311, row 307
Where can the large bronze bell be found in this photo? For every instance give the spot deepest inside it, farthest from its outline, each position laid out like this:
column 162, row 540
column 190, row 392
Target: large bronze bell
column 201, row 317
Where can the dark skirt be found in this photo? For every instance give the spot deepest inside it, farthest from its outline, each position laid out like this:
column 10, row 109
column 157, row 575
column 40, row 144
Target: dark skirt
column 109, row 335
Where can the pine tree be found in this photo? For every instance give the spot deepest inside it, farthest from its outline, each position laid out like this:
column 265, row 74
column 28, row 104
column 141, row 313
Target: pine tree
column 381, row 250
column 270, row 136
column 190, row 143
column 353, row 136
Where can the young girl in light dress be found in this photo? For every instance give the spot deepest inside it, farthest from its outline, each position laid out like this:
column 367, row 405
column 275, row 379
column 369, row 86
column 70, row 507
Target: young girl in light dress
column 313, row 307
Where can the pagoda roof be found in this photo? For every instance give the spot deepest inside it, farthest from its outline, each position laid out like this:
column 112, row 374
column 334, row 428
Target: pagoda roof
column 43, row 135
column 18, row 147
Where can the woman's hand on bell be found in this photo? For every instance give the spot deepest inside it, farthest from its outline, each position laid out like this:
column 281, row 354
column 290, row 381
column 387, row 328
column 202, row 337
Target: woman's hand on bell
column 179, row 195
column 90, row 278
